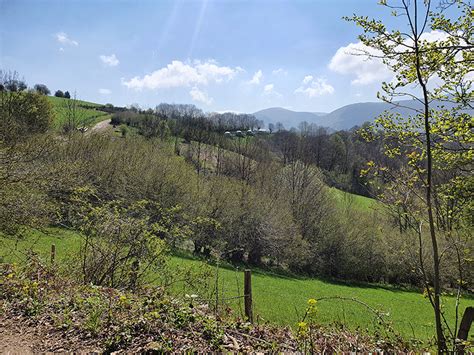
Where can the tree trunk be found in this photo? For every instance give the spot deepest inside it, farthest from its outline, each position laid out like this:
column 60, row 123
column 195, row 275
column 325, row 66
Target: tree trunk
column 441, row 341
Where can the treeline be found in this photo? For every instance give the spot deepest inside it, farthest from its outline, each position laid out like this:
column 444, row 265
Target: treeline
column 10, row 81
column 340, row 155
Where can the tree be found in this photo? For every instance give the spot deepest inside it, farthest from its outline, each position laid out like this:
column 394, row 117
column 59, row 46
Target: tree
column 436, row 138
column 10, row 81
column 67, row 95
column 59, row 93
column 74, row 117
column 23, row 114
column 24, row 150
column 271, row 127
column 42, row 89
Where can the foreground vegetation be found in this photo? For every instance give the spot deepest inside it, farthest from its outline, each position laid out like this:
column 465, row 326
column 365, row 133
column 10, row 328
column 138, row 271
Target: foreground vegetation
column 104, row 319
column 279, row 299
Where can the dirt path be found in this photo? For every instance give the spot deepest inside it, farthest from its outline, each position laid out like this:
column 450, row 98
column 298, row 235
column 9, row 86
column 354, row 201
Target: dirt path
column 22, row 336
column 14, row 339
column 101, row 126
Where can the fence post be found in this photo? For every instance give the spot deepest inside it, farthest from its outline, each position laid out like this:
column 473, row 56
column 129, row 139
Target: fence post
column 53, row 253
column 248, row 294
column 464, row 327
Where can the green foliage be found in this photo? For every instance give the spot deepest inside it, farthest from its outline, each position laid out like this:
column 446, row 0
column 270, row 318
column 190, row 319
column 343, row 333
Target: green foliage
column 23, row 114
column 80, row 113
column 434, row 144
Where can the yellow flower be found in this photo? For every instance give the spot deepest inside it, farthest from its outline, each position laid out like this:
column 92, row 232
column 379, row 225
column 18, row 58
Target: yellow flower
column 312, row 302
column 302, row 325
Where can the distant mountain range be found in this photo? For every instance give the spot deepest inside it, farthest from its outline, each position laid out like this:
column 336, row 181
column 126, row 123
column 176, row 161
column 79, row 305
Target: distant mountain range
column 345, row 117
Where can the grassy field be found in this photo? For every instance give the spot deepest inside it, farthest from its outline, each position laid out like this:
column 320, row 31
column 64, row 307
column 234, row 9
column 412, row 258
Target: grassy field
column 278, row 299
column 356, row 201
column 87, row 112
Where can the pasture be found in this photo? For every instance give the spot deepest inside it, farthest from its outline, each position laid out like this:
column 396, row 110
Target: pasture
column 87, row 112
column 277, row 298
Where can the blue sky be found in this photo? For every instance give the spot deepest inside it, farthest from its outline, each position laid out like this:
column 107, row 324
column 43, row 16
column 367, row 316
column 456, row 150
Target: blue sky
column 220, row 55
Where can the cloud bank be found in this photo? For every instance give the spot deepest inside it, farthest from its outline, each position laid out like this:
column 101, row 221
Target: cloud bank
column 180, row 74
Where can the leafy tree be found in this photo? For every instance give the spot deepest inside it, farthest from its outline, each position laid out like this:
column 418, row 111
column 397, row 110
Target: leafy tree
column 42, row 89
column 23, row 114
column 435, row 142
column 67, row 95
column 59, row 93
column 10, row 81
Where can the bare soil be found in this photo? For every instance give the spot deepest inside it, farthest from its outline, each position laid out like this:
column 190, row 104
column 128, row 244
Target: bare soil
column 19, row 335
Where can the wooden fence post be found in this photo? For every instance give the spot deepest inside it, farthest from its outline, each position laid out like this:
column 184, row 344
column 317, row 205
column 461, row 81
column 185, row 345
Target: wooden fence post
column 53, row 253
column 248, row 295
column 464, row 327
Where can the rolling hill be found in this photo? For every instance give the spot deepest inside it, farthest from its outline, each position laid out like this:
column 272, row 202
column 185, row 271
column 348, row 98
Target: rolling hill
column 287, row 117
column 344, row 117
column 88, row 113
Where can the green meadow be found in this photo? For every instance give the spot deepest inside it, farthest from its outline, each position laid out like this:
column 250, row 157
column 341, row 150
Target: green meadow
column 87, row 112
column 277, row 298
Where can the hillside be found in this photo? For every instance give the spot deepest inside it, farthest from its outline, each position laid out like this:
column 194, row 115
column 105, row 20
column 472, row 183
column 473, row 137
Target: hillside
column 287, row 117
column 88, row 113
column 344, row 117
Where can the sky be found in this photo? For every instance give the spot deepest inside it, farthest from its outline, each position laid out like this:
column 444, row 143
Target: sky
column 221, row 55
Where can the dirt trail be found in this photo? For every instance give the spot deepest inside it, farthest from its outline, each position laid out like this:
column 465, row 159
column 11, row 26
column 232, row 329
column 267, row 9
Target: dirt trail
column 101, row 126
column 21, row 336
column 14, row 339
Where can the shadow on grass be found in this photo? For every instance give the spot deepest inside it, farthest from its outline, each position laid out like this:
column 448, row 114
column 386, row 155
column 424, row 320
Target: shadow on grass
column 288, row 275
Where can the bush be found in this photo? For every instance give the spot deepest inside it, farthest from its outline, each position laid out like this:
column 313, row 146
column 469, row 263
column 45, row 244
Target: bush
column 23, row 114
column 59, row 93
column 121, row 243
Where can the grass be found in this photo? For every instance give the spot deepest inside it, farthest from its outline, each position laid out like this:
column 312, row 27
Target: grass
column 347, row 199
column 88, row 112
column 277, row 298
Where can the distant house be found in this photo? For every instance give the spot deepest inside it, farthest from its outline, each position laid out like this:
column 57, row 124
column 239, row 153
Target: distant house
column 239, row 134
column 227, row 134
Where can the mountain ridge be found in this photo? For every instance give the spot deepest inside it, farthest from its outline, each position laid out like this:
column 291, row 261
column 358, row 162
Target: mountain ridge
column 345, row 117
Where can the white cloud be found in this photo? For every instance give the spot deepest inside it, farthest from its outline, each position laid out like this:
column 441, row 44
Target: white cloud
column 110, row 60
column 307, row 79
column 314, row 87
column 61, row 49
column 200, row 96
column 269, row 89
column 63, row 38
column 105, row 91
column 179, row 74
column 257, row 77
column 279, row 71
column 434, row 36
column 351, row 60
